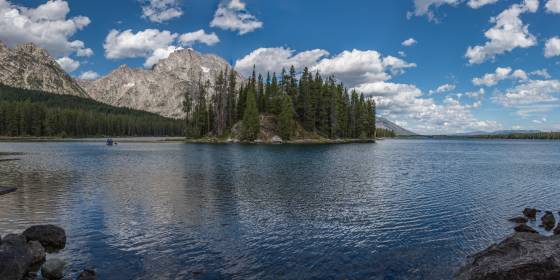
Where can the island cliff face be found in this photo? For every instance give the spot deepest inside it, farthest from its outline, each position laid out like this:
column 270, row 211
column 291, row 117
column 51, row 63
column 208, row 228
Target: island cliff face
column 29, row 67
column 161, row 89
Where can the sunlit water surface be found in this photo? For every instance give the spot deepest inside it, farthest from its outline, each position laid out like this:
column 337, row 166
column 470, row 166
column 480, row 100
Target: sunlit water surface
column 398, row 209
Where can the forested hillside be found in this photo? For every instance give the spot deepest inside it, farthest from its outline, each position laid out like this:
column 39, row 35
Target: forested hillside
column 35, row 113
column 320, row 106
column 538, row 135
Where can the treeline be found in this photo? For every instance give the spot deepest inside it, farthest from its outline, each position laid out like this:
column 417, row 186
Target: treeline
column 40, row 114
column 385, row 133
column 319, row 105
column 535, row 136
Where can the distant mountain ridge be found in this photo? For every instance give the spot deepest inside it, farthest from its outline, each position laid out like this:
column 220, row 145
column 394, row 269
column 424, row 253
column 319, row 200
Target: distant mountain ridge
column 30, row 67
column 382, row 122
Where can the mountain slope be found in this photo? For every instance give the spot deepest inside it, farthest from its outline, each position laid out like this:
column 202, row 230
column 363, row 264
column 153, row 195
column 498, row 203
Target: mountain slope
column 161, row 89
column 382, row 122
column 30, row 67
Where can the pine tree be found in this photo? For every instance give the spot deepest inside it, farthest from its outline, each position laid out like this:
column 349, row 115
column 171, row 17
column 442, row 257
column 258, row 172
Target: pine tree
column 251, row 124
column 286, row 118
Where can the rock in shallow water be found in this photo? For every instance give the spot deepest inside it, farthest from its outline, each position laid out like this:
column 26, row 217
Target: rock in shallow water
column 87, row 274
column 53, row 269
column 548, row 220
column 524, row 228
column 519, row 220
column 53, row 238
column 522, row 256
column 530, row 213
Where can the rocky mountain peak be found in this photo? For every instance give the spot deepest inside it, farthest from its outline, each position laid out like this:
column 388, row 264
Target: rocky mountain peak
column 161, row 89
column 32, row 50
column 30, row 67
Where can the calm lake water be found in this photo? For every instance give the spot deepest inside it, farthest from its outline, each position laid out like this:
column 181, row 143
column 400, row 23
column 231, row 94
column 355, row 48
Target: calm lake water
column 397, row 209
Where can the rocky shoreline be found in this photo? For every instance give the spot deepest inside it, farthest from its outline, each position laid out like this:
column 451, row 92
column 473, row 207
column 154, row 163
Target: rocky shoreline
column 279, row 141
column 25, row 256
column 524, row 255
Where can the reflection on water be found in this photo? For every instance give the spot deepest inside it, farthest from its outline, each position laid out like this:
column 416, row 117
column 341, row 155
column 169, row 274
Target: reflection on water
column 392, row 210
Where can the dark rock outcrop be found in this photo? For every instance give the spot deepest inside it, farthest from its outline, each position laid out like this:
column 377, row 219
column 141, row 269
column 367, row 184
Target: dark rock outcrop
column 6, row 190
column 548, row 220
column 522, row 256
column 87, row 274
column 530, row 213
column 519, row 220
column 52, row 237
column 53, row 269
column 524, row 228
column 16, row 258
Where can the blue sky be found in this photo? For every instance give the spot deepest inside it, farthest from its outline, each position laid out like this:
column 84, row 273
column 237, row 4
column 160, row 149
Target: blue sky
column 434, row 66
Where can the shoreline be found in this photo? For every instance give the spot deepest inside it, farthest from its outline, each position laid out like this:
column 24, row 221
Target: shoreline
column 289, row 142
column 184, row 140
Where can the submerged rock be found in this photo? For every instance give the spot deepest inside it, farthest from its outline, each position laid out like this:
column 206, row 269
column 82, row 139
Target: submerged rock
column 87, row 274
column 524, row 228
column 53, row 269
column 52, row 237
column 530, row 213
column 522, row 256
column 519, row 220
column 548, row 220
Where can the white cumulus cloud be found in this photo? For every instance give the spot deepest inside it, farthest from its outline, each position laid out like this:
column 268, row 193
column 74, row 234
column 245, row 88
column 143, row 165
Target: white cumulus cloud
column 501, row 73
column 533, row 92
column 152, row 44
column 69, row 65
column 126, row 44
column 357, row 66
column 552, row 47
column 443, row 88
column 428, row 7
column 201, row 36
column 274, row 59
column 46, row 26
column 553, row 6
column 409, row 42
column 89, row 75
column 475, row 4
column 233, row 15
column 161, row 10
column 508, row 33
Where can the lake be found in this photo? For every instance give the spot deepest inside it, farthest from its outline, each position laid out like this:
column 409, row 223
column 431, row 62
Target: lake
column 397, row 209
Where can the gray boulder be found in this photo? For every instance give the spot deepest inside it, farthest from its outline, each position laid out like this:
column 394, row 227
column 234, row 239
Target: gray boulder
column 15, row 257
column 53, row 238
column 548, row 220
column 37, row 252
column 530, row 213
column 53, row 269
column 522, row 256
